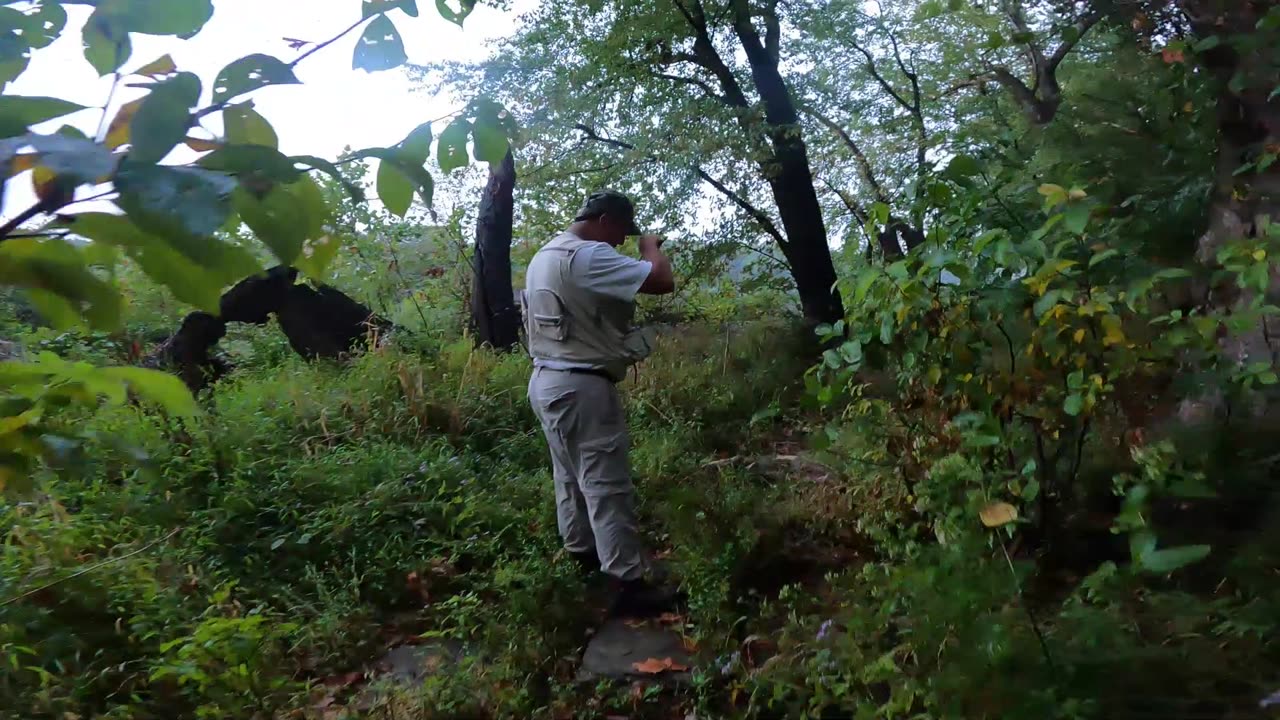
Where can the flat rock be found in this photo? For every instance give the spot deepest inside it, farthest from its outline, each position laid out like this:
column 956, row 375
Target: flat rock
column 406, row 666
column 619, row 645
column 412, row 663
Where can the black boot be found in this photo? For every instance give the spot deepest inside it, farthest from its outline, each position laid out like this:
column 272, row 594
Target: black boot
column 588, row 563
column 642, row 599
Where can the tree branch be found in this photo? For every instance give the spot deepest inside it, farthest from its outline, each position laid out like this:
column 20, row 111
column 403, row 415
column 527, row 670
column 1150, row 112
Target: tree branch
column 706, row 89
column 761, row 217
column 1081, row 26
column 704, row 53
column 875, row 73
column 864, row 164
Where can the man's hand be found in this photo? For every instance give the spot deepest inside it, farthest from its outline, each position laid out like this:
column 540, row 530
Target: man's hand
column 650, row 241
column 661, row 280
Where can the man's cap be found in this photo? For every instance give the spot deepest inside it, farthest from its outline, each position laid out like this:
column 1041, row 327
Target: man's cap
column 609, row 202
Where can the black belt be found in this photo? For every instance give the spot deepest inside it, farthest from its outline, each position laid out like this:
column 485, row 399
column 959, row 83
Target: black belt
column 586, row 371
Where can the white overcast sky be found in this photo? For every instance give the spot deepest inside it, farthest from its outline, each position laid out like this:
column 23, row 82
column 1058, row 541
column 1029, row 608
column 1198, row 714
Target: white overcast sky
column 334, row 106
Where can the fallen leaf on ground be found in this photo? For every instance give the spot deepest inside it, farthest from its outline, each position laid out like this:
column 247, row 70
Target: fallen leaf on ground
column 690, row 645
column 670, row 618
column 344, row 680
column 634, row 623
column 653, row 666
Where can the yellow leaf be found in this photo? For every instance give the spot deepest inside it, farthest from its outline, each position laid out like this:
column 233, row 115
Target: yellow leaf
column 160, row 66
column 201, row 145
column 118, row 131
column 1259, row 255
column 997, row 514
column 42, row 181
column 1077, row 194
column 1079, row 336
column 1113, row 333
column 22, row 163
column 1188, row 107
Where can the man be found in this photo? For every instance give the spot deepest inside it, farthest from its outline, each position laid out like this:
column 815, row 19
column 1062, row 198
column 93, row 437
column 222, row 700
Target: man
column 579, row 306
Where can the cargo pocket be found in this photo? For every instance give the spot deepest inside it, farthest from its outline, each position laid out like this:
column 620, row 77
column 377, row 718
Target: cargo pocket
column 605, row 468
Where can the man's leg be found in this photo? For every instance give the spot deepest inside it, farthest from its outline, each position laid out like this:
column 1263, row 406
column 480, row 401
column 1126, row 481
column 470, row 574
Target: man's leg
column 555, row 407
column 605, row 478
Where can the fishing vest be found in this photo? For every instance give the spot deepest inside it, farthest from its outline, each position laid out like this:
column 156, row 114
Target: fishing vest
column 564, row 322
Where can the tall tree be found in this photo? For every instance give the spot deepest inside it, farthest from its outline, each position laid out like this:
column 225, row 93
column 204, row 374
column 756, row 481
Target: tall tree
column 697, row 91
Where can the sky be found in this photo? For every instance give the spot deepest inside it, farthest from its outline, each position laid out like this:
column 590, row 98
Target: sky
column 334, row 106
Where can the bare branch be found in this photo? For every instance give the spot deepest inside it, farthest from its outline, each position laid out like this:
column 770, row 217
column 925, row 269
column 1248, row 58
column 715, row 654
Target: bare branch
column 1081, row 26
column 864, row 164
column 706, row 89
column 761, row 217
column 875, row 73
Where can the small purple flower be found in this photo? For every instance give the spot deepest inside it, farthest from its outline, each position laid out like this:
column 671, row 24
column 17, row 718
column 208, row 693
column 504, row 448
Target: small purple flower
column 824, row 630
column 1272, row 699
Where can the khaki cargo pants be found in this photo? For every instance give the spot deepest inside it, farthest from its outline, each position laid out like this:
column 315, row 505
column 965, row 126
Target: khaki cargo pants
column 586, row 429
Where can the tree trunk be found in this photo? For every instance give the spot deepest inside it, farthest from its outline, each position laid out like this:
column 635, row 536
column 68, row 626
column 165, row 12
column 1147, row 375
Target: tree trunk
column 1249, row 126
column 806, row 249
column 493, row 310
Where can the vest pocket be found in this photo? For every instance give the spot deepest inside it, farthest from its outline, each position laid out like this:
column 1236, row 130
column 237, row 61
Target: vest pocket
column 547, row 315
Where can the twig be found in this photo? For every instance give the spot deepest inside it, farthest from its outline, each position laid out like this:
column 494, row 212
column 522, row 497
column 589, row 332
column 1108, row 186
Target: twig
column 91, row 568
column 1022, row 600
column 326, row 43
column 24, row 216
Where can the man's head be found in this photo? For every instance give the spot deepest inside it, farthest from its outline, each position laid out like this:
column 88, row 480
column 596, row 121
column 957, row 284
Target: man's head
column 607, row 216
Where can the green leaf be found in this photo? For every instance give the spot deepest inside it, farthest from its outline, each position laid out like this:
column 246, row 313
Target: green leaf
column 315, row 163
column 451, row 151
column 866, row 279
column 316, row 255
column 175, row 200
column 886, row 328
column 159, row 387
column 250, row 73
column 188, row 281
column 244, row 126
column 490, row 140
column 162, row 121
column 376, row 7
column 1076, row 218
column 455, row 16
column 105, row 47
column 1170, row 559
column 18, row 113
column 1103, row 256
column 1073, row 405
column 59, row 282
column 1207, row 44
column 395, row 189
column 285, row 218
column 257, row 166
column 183, row 18
column 416, row 173
column 962, row 167
column 380, row 47
column 36, row 29
column 417, row 145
